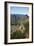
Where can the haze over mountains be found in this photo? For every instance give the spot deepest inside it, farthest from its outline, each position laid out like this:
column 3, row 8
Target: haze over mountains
column 18, row 17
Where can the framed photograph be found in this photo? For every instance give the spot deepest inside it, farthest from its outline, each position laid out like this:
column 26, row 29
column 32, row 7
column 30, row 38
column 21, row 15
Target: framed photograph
column 18, row 22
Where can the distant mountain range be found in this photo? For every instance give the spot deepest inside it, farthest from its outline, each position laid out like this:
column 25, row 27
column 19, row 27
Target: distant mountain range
column 16, row 17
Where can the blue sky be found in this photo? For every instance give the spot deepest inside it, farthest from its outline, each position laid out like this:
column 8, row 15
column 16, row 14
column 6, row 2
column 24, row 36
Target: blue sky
column 18, row 10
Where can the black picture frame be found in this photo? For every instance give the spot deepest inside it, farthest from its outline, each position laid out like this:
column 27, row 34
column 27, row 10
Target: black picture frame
column 5, row 17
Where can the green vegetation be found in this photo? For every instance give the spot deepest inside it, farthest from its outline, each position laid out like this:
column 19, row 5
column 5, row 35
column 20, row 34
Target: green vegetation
column 19, row 34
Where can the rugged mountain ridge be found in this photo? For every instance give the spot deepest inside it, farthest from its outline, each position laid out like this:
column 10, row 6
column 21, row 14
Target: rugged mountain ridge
column 16, row 17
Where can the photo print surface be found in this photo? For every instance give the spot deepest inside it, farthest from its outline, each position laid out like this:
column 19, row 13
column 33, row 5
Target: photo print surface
column 19, row 20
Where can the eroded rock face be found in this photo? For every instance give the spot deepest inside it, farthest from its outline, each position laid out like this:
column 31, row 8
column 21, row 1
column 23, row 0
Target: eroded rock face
column 18, row 28
column 21, row 28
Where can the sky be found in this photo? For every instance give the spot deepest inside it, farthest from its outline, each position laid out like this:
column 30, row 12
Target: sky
column 19, row 10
